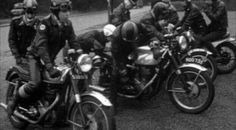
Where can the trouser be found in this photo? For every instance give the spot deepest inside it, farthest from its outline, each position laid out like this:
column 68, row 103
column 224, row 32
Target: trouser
column 210, row 37
column 31, row 87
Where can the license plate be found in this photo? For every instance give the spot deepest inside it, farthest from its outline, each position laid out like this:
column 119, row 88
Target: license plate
column 194, row 60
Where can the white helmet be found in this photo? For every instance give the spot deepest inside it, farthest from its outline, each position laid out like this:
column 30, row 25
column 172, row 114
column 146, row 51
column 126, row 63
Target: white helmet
column 108, row 30
column 30, row 4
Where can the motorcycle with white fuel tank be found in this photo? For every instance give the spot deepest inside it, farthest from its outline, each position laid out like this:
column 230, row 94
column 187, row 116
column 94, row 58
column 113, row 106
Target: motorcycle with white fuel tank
column 188, row 85
column 66, row 95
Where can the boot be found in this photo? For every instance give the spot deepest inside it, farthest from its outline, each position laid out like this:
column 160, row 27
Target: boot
column 13, row 103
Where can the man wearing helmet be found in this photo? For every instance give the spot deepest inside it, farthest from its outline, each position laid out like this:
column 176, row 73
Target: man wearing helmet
column 23, row 30
column 122, row 13
column 126, row 38
column 52, row 33
column 96, row 40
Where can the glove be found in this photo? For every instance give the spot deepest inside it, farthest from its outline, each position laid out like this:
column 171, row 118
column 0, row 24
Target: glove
column 54, row 72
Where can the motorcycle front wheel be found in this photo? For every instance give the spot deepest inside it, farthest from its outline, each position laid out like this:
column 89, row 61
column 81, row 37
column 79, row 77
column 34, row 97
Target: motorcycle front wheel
column 198, row 93
column 207, row 61
column 227, row 63
column 97, row 116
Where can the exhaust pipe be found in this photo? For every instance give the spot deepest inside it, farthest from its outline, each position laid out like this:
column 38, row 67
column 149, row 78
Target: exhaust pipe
column 3, row 105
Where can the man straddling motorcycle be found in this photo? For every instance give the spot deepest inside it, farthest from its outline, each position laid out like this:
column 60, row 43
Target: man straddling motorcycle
column 96, row 40
column 206, row 34
column 22, row 30
column 217, row 13
column 52, row 33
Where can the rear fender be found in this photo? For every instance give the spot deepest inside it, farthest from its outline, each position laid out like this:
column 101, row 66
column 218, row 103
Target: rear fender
column 229, row 39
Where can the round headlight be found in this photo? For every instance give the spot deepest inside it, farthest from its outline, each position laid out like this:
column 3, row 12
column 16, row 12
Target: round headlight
column 183, row 42
column 84, row 62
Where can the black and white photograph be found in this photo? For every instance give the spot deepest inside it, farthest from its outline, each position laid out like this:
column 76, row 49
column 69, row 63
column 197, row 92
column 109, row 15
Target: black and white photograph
column 117, row 64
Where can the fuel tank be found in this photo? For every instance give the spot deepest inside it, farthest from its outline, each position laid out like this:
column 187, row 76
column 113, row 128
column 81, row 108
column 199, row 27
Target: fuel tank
column 145, row 56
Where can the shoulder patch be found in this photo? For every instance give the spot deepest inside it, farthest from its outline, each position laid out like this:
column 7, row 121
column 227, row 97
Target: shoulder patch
column 42, row 27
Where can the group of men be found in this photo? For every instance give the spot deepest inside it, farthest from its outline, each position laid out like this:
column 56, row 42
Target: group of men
column 33, row 39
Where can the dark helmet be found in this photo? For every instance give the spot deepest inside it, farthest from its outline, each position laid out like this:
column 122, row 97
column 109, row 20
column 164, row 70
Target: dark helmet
column 129, row 31
column 60, row 5
column 30, row 6
column 160, row 9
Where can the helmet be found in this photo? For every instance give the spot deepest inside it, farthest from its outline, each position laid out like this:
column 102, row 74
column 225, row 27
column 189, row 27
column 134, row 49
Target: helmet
column 129, row 31
column 108, row 30
column 30, row 6
column 60, row 5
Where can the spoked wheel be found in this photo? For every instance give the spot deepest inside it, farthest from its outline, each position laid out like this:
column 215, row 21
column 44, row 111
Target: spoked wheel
column 96, row 116
column 227, row 63
column 207, row 61
column 11, row 91
column 198, row 94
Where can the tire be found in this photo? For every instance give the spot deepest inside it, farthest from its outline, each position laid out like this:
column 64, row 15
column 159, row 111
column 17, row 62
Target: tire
column 16, row 122
column 228, row 63
column 108, row 123
column 196, row 91
column 209, row 63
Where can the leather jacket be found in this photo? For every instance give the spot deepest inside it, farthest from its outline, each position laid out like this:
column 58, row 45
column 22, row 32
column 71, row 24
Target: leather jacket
column 21, row 35
column 51, row 37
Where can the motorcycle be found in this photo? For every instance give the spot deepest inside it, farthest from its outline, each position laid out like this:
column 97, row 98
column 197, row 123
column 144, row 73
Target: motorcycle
column 147, row 70
column 190, row 54
column 226, row 49
column 66, row 95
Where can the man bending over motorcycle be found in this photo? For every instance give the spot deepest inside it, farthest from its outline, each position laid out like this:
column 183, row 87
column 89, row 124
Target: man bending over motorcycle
column 126, row 38
column 52, row 33
column 96, row 40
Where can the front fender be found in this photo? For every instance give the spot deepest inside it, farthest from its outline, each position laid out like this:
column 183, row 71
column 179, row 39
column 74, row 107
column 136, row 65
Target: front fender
column 196, row 66
column 105, row 101
column 199, row 50
column 185, row 65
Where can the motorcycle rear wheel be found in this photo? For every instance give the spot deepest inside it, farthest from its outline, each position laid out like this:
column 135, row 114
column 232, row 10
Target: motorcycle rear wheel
column 16, row 122
column 198, row 84
column 98, row 117
column 228, row 53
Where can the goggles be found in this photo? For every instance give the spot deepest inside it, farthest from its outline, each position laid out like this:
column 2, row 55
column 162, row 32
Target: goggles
column 65, row 7
column 31, row 10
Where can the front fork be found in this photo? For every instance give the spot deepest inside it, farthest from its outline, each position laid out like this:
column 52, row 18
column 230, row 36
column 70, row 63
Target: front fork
column 75, row 84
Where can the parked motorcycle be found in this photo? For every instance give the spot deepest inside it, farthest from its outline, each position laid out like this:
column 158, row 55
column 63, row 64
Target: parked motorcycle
column 82, row 108
column 188, row 85
column 190, row 54
column 226, row 49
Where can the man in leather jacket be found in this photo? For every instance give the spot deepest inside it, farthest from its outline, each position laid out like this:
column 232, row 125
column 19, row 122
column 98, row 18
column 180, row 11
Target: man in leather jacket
column 52, row 33
column 152, row 18
column 217, row 13
column 121, row 13
column 172, row 15
column 193, row 19
column 126, row 38
column 23, row 30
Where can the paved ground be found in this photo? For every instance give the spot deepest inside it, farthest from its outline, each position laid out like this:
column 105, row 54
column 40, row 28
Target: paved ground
column 158, row 114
